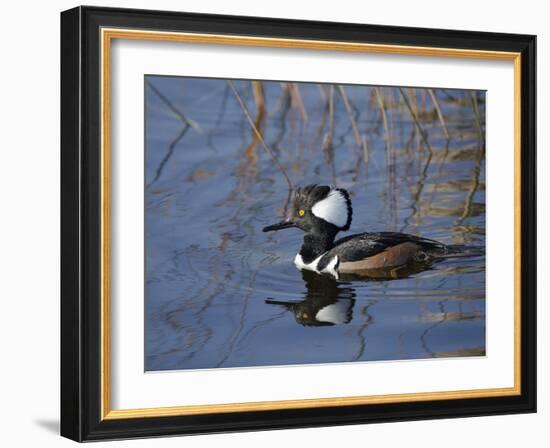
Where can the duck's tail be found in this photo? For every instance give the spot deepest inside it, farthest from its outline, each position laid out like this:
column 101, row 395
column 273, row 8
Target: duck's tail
column 461, row 250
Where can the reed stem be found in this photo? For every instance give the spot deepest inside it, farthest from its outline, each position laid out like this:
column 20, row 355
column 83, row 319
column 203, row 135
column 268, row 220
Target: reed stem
column 439, row 113
column 419, row 127
column 259, row 135
column 361, row 141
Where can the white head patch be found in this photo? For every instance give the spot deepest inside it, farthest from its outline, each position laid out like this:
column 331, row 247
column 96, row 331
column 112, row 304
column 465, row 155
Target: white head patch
column 334, row 208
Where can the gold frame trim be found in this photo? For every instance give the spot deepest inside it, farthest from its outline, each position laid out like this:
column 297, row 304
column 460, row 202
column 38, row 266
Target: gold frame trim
column 107, row 35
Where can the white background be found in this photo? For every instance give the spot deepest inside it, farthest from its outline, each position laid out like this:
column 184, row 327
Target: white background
column 29, row 182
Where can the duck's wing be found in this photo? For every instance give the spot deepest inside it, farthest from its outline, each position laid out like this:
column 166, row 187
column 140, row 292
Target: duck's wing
column 360, row 246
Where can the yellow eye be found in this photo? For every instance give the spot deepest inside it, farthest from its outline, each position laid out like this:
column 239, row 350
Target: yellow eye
column 301, row 212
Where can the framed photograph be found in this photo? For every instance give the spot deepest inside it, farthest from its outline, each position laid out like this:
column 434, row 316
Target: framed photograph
column 275, row 224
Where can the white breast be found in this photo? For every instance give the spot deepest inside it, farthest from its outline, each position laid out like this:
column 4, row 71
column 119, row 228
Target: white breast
column 329, row 269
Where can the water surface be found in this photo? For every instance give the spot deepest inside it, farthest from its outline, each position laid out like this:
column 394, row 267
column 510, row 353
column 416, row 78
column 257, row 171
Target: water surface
column 220, row 293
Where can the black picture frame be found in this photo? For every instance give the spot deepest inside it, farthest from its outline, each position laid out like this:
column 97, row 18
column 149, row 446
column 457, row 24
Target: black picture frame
column 81, row 224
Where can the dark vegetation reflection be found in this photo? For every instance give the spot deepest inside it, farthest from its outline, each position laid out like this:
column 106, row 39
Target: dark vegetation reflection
column 220, row 160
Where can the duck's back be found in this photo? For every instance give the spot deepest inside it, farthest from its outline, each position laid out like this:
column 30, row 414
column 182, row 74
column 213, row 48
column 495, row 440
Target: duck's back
column 375, row 250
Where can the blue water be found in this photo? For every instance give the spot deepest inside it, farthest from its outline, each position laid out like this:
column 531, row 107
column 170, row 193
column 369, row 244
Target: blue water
column 220, row 293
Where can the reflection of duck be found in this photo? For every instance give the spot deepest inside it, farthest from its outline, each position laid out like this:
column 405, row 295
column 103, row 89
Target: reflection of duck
column 326, row 302
column 322, row 211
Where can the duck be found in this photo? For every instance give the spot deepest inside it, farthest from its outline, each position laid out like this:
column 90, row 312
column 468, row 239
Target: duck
column 322, row 211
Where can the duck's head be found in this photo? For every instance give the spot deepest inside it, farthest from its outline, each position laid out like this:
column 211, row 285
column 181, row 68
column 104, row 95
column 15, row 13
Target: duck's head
column 317, row 209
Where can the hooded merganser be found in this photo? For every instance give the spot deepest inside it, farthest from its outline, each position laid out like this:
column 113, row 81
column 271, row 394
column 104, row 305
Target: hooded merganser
column 322, row 211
